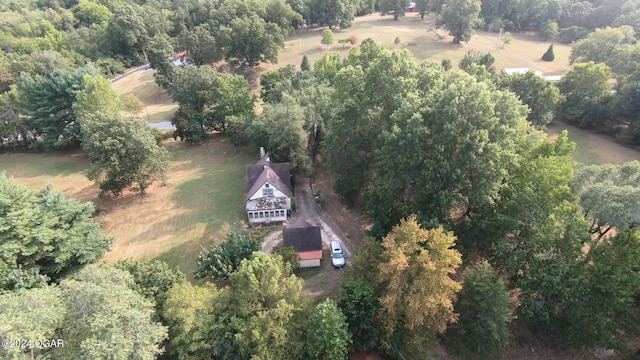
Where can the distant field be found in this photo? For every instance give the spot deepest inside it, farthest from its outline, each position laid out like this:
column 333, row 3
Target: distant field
column 205, row 190
column 592, row 148
column 159, row 104
column 524, row 51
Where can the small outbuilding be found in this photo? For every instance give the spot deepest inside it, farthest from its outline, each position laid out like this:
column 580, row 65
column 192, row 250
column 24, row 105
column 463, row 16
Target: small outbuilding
column 306, row 240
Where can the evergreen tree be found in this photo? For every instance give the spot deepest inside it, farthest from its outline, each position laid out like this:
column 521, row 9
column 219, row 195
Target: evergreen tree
column 305, row 64
column 549, row 55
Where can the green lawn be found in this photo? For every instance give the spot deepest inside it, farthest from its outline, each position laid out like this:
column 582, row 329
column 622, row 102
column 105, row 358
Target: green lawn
column 593, row 148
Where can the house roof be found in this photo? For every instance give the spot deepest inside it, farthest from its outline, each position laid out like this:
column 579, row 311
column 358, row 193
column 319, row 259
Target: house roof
column 303, row 239
column 276, row 174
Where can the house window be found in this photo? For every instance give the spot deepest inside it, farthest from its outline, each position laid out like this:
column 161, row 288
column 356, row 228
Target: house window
column 250, row 215
column 267, row 192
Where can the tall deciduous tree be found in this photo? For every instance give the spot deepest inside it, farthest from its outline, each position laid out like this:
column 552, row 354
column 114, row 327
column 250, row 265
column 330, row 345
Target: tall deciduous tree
column 605, row 46
column 583, row 87
column 252, row 40
column 188, row 311
column 416, row 291
column 359, row 303
column 485, row 310
column 30, row 315
column 282, row 127
column 541, row 96
column 472, row 125
column 261, row 314
column 159, row 51
column 97, row 96
column 397, row 7
column 332, row 12
column 106, row 318
column 328, row 334
column 153, row 280
column 44, row 236
column 233, row 98
column 123, row 153
column 460, row 17
column 605, row 313
column 610, row 196
column 126, row 33
column 200, row 44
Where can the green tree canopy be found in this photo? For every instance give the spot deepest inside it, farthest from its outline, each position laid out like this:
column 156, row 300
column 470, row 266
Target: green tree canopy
column 605, row 46
column 328, row 333
column 358, row 301
column 541, row 96
column 106, row 318
column 200, row 44
column 460, row 17
column 332, row 13
column 610, row 196
column 261, row 314
column 123, row 153
column 48, row 103
column 252, row 40
column 583, row 87
column 397, row 7
column 472, row 125
column 33, row 314
column 220, row 261
column 188, row 311
column 153, row 280
column 44, row 235
column 97, row 96
column 485, row 310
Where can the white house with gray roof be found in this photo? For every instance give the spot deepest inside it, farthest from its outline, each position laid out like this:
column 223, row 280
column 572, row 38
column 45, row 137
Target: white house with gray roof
column 268, row 197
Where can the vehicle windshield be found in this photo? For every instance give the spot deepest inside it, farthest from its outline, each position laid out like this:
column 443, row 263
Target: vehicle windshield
column 337, row 256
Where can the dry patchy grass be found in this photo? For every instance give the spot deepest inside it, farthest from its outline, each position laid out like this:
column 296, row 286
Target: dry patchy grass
column 159, row 104
column 524, row 51
column 204, row 190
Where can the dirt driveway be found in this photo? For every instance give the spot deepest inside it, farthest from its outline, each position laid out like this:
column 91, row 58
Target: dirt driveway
column 308, row 210
column 335, row 224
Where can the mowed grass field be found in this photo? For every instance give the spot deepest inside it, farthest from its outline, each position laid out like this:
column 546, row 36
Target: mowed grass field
column 204, row 191
column 159, row 104
column 525, row 50
column 593, row 148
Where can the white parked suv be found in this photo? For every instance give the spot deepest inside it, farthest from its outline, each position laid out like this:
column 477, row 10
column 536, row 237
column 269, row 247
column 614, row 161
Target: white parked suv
column 337, row 256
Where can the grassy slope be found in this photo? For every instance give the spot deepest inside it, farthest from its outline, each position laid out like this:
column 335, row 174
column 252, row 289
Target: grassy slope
column 159, row 104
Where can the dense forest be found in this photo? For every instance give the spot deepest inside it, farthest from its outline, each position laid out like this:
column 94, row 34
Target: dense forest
column 481, row 225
